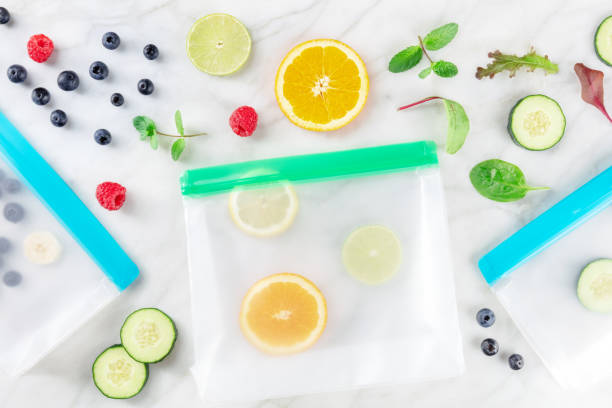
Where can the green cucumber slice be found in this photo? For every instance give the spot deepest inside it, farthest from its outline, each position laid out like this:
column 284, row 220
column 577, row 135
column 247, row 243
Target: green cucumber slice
column 603, row 41
column 148, row 335
column 117, row 375
column 595, row 286
column 536, row 122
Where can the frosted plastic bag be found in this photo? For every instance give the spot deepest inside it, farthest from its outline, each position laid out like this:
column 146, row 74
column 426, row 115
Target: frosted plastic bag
column 42, row 304
column 540, row 294
column 401, row 331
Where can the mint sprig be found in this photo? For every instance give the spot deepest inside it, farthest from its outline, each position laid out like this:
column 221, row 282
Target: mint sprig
column 148, row 131
column 435, row 40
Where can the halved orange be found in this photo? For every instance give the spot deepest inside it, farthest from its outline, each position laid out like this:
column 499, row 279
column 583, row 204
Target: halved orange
column 283, row 313
column 321, row 85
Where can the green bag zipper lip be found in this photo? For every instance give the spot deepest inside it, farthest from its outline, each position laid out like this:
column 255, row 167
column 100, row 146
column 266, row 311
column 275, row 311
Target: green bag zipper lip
column 309, row 168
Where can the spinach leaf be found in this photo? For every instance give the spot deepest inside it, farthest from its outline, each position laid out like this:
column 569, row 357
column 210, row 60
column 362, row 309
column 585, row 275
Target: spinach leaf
column 501, row 181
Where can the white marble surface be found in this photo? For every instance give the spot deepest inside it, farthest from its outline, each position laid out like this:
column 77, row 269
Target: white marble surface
column 151, row 227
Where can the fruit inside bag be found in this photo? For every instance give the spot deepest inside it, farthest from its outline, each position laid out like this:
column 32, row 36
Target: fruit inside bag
column 55, row 272
column 561, row 299
column 320, row 273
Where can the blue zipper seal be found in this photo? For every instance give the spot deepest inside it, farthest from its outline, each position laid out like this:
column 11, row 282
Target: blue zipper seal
column 552, row 225
column 66, row 206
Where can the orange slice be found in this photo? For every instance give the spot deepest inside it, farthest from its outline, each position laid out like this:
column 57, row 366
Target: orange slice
column 321, row 85
column 283, row 313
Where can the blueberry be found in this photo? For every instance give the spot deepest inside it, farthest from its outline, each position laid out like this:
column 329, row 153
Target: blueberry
column 150, row 52
column 13, row 212
column 117, row 99
column 516, row 361
column 485, row 317
column 111, row 40
column 59, row 118
column 489, row 347
column 145, row 87
column 16, row 73
column 12, row 278
column 68, row 80
column 5, row 16
column 102, row 136
column 5, row 245
column 40, row 96
column 11, row 185
column 98, row 70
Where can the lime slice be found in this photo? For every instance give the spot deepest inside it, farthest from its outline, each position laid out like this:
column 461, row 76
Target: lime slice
column 372, row 254
column 218, row 44
column 264, row 212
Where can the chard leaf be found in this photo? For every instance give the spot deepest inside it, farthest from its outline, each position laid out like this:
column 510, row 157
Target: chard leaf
column 440, row 37
column 406, row 59
column 507, row 62
column 458, row 126
column 592, row 87
column 458, row 122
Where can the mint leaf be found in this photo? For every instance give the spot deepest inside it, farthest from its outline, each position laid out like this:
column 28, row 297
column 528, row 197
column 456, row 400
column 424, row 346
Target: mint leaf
column 145, row 126
column 178, row 120
column 458, row 126
column 177, row 149
column 153, row 141
column 425, row 73
column 406, row 59
column 440, row 37
column 444, row 69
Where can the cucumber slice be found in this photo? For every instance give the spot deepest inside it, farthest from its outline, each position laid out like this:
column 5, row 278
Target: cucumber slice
column 595, row 286
column 603, row 41
column 536, row 122
column 117, row 375
column 148, row 335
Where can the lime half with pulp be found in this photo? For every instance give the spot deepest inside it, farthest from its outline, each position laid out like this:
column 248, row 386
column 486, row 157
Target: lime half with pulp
column 372, row 254
column 218, row 44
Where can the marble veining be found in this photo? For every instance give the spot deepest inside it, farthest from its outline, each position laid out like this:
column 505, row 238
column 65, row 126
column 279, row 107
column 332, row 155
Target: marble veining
column 376, row 30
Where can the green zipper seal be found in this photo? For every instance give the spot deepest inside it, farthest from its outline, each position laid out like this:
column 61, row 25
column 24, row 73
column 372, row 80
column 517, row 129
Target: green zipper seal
column 309, row 168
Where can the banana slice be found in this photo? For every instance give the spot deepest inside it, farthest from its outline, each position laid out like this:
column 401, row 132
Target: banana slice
column 42, row 248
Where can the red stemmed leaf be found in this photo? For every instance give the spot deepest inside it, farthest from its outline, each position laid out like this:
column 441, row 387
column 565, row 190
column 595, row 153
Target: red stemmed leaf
column 591, row 81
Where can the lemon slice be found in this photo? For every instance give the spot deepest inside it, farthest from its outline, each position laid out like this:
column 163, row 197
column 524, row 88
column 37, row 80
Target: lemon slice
column 218, row 44
column 42, row 248
column 283, row 314
column 372, row 254
column 264, row 212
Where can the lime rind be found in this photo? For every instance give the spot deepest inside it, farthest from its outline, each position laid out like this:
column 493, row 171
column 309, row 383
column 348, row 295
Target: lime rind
column 218, row 44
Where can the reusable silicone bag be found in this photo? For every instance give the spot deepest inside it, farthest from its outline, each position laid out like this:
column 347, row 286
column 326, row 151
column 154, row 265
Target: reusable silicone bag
column 401, row 331
column 540, row 292
column 52, row 300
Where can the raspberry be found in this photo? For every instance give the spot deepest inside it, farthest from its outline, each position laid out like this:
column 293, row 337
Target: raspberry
column 40, row 47
column 110, row 195
column 243, row 121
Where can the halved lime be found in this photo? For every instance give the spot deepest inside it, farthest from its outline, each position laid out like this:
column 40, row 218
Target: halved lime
column 218, row 44
column 372, row 254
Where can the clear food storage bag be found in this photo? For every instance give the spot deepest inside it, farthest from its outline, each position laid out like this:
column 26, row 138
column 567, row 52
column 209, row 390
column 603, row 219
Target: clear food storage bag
column 541, row 293
column 49, row 281
column 367, row 228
